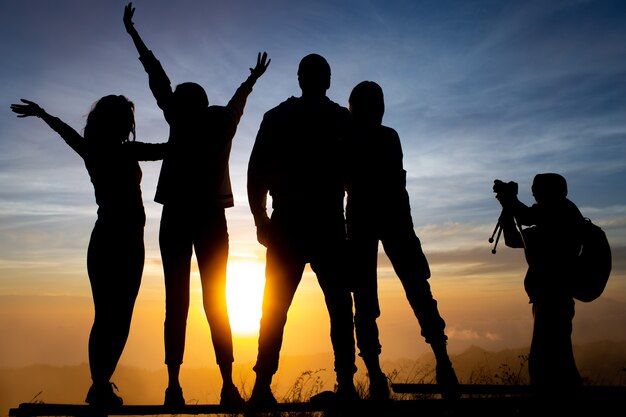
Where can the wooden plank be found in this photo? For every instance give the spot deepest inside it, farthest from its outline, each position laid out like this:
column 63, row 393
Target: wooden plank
column 485, row 389
column 431, row 408
column 514, row 406
column 494, row 400
column 498, row 389
column 79, row 410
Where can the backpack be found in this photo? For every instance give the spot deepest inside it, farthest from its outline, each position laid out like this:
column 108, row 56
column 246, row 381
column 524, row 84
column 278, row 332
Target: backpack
column 593, row 266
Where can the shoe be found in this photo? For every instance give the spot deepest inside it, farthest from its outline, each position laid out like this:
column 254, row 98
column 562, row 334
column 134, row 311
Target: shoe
column 346, row 393
column 447, row 380
column 379, row 388
column 174, row 397
column 230, row 397
column 261, row 398
column 102, row 395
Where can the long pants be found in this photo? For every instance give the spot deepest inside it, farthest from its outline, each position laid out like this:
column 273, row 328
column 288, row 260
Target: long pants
column 203, row 229
column 115, row 259
column 404, row 250
column 293, row 245
column 551, row 361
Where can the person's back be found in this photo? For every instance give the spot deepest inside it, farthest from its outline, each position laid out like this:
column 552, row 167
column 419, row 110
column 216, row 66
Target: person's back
column 375, row 177
column 302, row 161
column 196, row 169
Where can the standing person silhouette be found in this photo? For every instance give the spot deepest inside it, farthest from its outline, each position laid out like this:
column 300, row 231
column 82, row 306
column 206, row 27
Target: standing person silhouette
column 551, row 247
column 116, row 254
column 378, row 210
column 296, row 159
column 194, row 188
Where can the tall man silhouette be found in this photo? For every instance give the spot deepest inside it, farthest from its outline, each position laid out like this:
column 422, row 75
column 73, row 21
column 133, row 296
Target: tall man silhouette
column 296, row 159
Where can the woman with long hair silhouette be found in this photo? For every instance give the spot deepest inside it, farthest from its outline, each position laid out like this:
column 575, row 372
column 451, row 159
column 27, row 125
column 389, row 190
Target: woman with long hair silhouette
column 116, row 253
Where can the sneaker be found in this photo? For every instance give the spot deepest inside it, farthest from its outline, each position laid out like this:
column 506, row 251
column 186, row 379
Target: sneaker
column 230, row 397
column 447, row 380
column 379, row 388
column 261, row 397
column 102, row 395
column 174, row 397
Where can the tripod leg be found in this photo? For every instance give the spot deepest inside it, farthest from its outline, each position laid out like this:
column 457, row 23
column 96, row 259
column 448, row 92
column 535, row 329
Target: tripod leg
column 494, row 231
column 497, row 239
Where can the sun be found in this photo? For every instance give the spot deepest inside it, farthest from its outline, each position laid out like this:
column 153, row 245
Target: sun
column 244, row 296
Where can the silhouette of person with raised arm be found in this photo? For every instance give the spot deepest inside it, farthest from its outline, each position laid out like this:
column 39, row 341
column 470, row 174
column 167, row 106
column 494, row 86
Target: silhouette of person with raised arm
column 115, row 257
column 551, row 246
column 194, row 188
column 378, row 210
column 296, row 158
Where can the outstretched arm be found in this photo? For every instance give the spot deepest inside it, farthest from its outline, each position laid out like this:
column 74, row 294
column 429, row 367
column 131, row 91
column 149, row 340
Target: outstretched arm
column 158, row 80
column 129, row 12
column 261, row 65
column 237, row 103
column 71, row 137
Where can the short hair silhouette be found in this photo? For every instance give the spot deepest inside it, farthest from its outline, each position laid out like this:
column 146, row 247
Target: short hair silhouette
column 112, row 118
column 549, row 187
column 191, row 95
column 367, row 102
column 314, row 73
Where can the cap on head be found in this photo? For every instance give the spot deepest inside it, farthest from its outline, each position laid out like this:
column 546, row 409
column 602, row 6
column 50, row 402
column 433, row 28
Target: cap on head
column 314, row 73
column 549, row 187
column 367, row 102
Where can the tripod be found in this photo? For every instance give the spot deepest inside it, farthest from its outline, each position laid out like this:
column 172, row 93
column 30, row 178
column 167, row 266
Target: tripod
column 498, row 230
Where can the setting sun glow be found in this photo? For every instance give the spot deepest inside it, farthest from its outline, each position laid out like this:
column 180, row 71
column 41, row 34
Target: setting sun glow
column 244, row 296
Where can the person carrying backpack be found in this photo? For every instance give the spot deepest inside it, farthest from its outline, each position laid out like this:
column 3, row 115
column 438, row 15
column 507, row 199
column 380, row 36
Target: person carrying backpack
column 551, row 242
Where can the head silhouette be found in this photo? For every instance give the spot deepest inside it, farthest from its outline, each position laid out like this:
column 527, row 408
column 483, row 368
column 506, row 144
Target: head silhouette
column 190, row 97
column 314, row 75
column 111, row 120
column 367, row 103
column 549, row 188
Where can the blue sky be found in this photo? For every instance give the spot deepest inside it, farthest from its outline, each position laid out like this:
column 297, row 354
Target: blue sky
column 476, row 90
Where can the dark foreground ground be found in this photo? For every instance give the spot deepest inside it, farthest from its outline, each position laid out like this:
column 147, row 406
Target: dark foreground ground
column 475, row 400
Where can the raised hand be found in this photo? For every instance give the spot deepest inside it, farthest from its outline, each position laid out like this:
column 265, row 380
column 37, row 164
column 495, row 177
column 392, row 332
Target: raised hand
column 129, row 11
column 261, row 65
column 30, row 108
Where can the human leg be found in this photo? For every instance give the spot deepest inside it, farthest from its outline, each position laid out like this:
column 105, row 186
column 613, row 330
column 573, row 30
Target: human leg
column 211, row 245
column 176, row 251
column 551, row 360
column 115, row 261
column 404, row 250
column 283, row 273
column 329, row 264
column 363, row 252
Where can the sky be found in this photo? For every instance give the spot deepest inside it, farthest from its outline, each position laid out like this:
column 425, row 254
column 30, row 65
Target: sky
column 476, row 91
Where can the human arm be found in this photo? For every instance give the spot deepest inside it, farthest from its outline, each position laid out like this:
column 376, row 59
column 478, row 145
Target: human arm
column 129, row 11
column 142, row 151
column 71, row 137
column 237, row 103
column 258, row 188
column 159, row 82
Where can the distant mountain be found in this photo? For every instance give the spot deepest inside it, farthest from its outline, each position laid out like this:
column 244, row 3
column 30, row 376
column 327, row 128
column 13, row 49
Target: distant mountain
column 600, row 363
